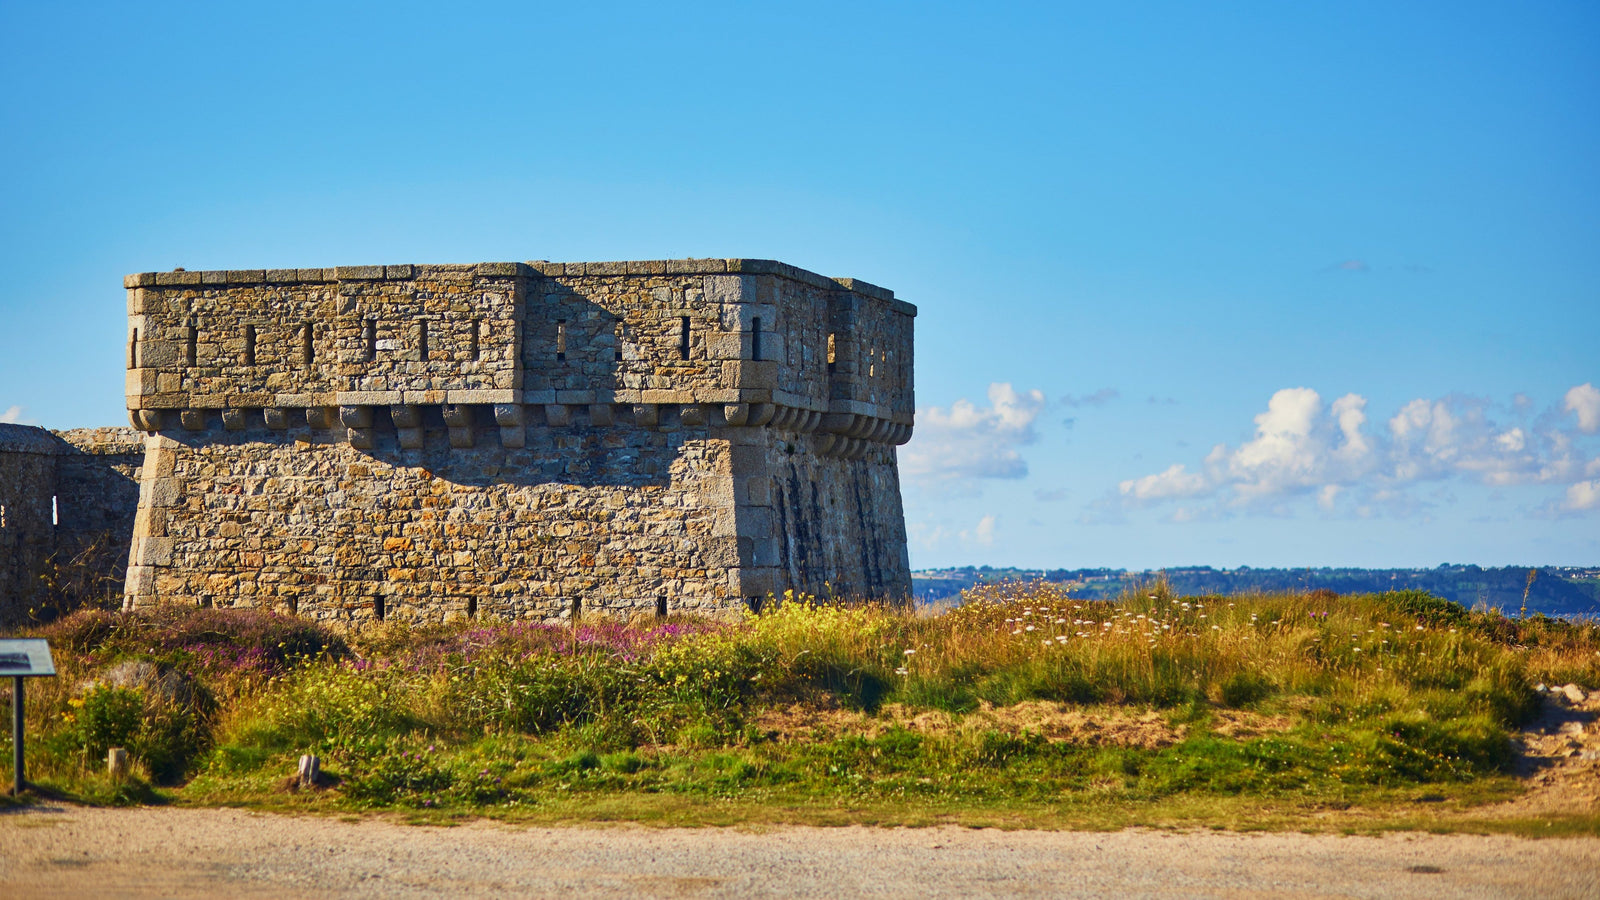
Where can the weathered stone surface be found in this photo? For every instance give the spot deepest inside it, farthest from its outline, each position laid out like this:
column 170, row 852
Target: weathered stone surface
column 551, row 435
column 67, row 495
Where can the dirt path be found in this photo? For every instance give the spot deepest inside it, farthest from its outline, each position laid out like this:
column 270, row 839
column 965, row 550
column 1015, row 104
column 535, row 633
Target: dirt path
column 76, row 852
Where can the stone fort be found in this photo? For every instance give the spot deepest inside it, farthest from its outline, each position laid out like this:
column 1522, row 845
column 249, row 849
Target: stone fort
column 518, row 440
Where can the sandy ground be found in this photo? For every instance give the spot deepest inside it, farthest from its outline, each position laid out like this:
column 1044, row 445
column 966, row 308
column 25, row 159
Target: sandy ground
column 76, row 852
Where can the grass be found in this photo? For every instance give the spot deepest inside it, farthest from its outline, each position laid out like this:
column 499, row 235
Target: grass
column 1024, row 707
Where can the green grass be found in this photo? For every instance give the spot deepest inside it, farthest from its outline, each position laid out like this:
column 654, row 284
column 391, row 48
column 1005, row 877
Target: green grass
column 1022, row 708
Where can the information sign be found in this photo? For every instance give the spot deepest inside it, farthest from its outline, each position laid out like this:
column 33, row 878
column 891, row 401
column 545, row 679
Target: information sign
column 22, row 658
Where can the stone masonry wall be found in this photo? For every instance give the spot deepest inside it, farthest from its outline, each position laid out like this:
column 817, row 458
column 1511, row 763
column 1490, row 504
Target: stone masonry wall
column 67, row 502
column 300, row 521
column 516, row 439
column 27, row 532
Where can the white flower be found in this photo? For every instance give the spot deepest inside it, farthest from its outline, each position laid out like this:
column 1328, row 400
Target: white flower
column 909, row 652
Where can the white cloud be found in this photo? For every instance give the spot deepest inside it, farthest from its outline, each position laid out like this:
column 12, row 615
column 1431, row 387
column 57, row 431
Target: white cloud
column 933, row 536
column 968, row 442
column 1585, row 401
column 1581, row 496
column 984, row 533
column 1301, row 448
column 1177, row 481
column 13, row 416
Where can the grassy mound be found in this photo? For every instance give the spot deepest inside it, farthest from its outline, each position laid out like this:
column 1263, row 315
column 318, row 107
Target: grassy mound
column 1023, row 705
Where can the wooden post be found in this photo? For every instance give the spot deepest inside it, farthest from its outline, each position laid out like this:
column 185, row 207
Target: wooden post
column 117, row 762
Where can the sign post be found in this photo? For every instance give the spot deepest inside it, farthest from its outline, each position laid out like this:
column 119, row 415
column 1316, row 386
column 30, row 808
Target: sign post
column 22, row 659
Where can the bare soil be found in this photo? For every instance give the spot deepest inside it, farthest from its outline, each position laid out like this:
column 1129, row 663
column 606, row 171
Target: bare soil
column 1558, row 758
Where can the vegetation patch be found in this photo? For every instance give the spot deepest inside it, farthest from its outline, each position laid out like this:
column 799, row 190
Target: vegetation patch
column 1022, row 706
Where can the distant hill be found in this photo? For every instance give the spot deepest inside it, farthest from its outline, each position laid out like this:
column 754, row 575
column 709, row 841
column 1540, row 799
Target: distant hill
column 1557, row 591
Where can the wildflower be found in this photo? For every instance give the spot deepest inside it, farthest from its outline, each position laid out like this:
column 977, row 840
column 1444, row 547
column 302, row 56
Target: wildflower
column 1216, row 628
column 902, row 671
column 909, row 652
column 1029, row 628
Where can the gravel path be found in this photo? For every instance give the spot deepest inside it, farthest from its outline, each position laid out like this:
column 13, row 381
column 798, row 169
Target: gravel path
column 61, row 851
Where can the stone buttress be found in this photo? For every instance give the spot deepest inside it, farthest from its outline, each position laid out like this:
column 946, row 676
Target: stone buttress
column 522, row 440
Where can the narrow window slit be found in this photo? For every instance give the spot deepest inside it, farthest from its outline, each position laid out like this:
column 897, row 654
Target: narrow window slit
column 191, row 344
column 683, row 337
column 661, row 607
column 371, row 326
column 477, row 326
column 755, row 339
column 307, row 350
column 577, row 609
column 249, row 345
column 133, row 350
column 377, row 608
column 422, row 340
column 55, row 511
column 832, row 358
column 472, row 607
column 561, row 339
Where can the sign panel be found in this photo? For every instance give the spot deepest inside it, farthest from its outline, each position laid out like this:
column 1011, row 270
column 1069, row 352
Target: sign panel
column 24, row 657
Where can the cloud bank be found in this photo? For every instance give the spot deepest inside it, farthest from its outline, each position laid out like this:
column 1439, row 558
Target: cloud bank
column 967, row 441
column 1331, row 452
column 13, row 416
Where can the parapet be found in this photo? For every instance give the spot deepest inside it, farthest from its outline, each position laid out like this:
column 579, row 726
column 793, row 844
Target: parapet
column 731, row 341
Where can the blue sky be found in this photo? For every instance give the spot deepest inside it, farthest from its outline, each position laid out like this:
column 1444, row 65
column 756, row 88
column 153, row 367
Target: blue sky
column 1215, row 283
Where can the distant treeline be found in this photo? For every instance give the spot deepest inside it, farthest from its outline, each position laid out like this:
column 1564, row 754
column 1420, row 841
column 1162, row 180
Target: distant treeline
column 1556, row 591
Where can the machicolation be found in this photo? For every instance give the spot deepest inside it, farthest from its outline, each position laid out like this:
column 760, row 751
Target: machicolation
column 520, row 440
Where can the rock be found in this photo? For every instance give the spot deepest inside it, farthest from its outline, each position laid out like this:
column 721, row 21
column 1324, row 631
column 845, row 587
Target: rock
column 310, row 771
column 1573, row 693
column 154, row 680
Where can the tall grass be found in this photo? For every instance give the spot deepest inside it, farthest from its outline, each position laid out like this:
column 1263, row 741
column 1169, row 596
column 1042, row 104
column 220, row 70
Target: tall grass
column 1352, row 695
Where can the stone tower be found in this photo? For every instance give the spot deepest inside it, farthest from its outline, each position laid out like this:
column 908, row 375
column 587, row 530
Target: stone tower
column 521, row 440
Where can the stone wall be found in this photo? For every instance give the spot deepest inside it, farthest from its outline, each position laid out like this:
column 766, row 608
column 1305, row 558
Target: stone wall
column 300, row 521
column 27, row 529
column 516, row 439
column 67, row 503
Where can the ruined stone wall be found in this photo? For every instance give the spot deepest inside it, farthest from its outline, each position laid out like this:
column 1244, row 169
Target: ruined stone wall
column 67, row 502
column 516, row 439
column 27, row 529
